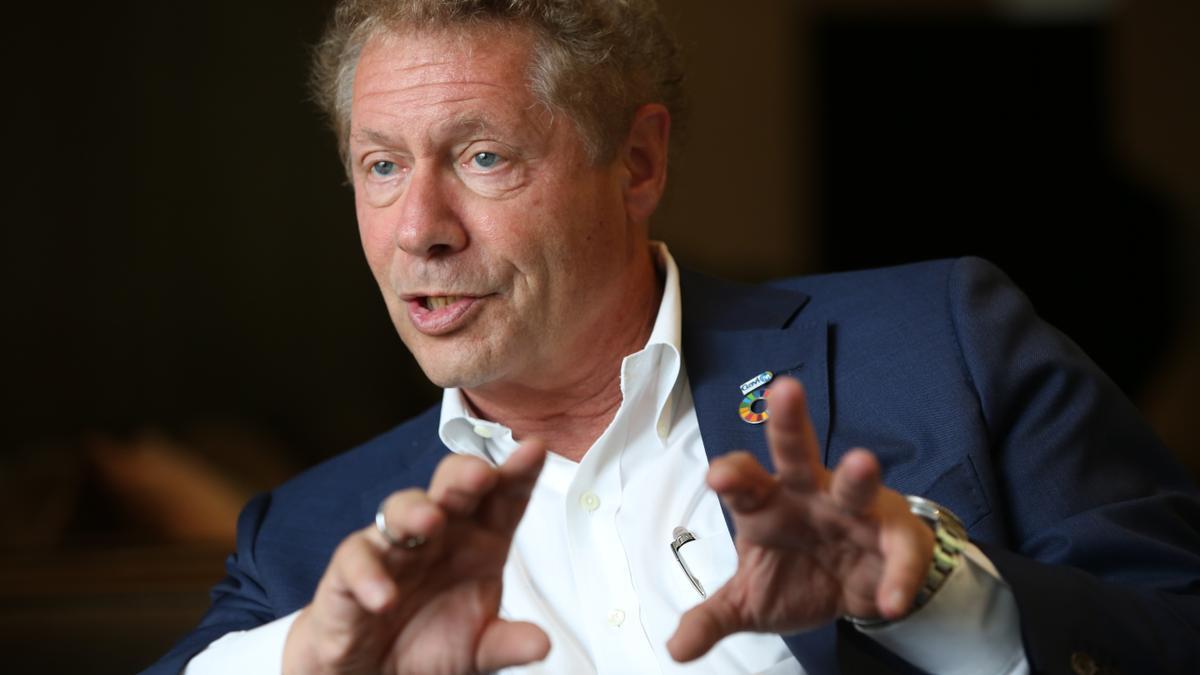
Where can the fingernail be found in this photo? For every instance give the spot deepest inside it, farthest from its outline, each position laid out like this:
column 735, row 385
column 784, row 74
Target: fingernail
column 896, row 601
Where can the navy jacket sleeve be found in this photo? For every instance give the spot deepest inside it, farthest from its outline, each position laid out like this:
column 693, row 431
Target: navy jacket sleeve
column 1103, row 548
column 285, row 538
column 239, row 602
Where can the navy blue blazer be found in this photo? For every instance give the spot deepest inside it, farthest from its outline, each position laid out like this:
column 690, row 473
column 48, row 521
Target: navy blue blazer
column 945, row 372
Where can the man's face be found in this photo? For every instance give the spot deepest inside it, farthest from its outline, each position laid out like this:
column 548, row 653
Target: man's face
column 498, row 246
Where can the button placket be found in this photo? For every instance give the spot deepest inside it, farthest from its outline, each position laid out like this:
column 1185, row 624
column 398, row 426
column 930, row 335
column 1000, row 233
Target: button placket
column 600, row 561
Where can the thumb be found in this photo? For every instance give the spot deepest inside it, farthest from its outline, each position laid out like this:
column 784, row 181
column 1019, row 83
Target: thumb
column 703, row 626
column 510, row 643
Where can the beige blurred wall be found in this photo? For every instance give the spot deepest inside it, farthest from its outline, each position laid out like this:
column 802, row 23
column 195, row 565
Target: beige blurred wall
column 1156, row 85
column 739, row 195
column 1156, row 68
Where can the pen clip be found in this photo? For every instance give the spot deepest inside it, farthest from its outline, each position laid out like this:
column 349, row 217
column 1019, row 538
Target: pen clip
column 681, row 537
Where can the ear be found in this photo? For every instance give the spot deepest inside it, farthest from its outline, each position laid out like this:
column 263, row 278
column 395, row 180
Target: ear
column 644, row 157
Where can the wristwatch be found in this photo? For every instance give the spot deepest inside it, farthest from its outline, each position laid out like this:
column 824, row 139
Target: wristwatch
column 949, row 539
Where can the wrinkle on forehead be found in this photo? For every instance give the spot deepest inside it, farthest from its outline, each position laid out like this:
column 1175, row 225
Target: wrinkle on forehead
column 431, row 59
column 473, row 122
column 445, row 52
column 436, row 70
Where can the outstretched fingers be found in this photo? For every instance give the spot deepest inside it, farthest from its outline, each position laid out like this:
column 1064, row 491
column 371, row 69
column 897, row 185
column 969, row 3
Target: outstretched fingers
column 512, row 643
column 741, row 481
column 703, row 626
column 855, row 482
column 791, row 437
column 358, row 570
column 503, row 508
column 907, row 546
column 365, row 566
column 460, row 482
column 504, row 644
column 408, row 514
column 468, row 487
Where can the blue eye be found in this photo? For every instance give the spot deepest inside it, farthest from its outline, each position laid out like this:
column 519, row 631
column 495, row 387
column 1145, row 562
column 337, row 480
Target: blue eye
column 383, row 168
column 485, row 160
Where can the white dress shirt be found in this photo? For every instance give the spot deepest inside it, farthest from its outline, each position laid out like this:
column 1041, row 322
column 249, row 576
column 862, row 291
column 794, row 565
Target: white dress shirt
column 591, row 561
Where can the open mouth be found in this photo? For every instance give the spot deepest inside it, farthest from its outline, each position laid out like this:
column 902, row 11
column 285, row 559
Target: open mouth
column 435, row 302
column 442, row 314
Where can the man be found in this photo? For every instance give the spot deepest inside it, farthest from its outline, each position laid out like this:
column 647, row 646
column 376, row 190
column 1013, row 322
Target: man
column 554, row 511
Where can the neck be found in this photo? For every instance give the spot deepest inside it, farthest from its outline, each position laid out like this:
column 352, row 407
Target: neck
column 573, row 407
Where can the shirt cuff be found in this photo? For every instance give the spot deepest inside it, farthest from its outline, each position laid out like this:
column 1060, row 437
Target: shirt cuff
column 258, row 650
column 970, row 625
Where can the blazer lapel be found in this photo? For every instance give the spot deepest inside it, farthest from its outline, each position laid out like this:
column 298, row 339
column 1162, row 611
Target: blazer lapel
column 730, row 334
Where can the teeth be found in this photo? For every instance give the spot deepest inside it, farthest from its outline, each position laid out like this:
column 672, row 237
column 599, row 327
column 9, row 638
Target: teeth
column 440, row 301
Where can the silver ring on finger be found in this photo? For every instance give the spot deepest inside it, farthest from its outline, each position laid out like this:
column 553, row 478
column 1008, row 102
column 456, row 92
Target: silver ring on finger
column 409, row 543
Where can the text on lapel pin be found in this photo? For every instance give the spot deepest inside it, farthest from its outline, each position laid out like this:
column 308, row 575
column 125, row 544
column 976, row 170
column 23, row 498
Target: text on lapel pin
column 746, row 410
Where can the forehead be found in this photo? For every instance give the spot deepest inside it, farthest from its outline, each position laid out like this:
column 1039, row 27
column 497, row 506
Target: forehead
column 415, row 72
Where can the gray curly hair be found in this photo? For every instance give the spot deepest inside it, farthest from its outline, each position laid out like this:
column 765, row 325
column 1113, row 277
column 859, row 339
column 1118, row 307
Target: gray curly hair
column 595, row 60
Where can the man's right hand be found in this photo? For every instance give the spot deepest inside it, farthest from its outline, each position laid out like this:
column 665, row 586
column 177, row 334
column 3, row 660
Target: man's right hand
column 433, row 608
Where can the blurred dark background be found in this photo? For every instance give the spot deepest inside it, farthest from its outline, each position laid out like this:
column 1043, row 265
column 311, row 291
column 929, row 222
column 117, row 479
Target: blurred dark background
column 189, row 320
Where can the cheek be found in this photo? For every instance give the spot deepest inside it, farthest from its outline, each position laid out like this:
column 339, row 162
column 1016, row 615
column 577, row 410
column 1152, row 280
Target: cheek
column 375, row 239
column 513, row 233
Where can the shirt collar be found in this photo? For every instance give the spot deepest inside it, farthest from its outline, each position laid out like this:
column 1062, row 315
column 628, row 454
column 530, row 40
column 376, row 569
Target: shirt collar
column 465, row 433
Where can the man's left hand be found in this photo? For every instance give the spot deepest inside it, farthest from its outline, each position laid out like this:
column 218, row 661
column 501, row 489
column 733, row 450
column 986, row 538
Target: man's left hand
column 813, row 545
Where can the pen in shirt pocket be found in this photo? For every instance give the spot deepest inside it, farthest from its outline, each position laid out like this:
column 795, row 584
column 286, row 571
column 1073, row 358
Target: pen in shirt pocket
column 681, row 536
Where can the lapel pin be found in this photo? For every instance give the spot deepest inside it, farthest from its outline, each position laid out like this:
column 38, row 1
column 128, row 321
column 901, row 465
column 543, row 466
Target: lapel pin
column 746, row 410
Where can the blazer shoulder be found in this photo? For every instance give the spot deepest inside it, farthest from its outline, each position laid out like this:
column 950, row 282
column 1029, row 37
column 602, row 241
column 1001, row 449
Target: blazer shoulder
column 913, row 278
column 929, row 283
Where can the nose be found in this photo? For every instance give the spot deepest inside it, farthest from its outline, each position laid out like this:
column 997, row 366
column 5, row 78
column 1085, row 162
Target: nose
column 428, row 223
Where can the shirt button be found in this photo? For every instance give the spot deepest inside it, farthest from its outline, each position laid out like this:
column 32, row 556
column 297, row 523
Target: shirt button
column 589, row 501
column 483, row 431
column 615, row 618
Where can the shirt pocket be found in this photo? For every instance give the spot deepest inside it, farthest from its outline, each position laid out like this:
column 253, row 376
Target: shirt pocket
column 712, row 559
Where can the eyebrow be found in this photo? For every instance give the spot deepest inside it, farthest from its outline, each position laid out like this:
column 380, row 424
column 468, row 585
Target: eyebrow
column 471, row 121
column 373, row 136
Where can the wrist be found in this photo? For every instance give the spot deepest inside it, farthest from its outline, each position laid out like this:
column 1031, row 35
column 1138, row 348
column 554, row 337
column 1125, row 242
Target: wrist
column 949, row 540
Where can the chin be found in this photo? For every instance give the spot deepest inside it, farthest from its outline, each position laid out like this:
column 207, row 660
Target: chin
column 451, row 380
column 448, row 370
column 463, row 360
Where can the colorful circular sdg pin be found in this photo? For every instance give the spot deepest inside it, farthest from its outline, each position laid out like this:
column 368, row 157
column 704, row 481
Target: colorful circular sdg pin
column 746, row 409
